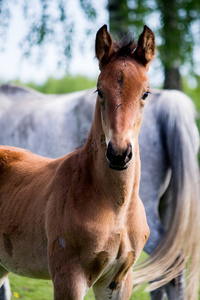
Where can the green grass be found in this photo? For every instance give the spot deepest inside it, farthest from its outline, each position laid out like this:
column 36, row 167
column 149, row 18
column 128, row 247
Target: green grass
column 34, row 289
column 28, row 288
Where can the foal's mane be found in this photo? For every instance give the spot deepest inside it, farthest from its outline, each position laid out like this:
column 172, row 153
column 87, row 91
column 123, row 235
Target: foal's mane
column 125, row 47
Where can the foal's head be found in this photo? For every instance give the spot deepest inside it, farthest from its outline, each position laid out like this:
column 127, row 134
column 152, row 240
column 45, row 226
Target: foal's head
column 122, row 88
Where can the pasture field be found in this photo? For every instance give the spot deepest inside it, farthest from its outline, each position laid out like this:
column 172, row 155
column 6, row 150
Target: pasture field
column 33, row 289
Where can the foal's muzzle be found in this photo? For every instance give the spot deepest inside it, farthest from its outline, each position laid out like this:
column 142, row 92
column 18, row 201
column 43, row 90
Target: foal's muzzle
column 118, row 161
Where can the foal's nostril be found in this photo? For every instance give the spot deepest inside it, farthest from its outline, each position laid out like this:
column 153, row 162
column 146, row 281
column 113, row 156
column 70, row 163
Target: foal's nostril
column 110, row 153
column 128, row 153
column 118, row 160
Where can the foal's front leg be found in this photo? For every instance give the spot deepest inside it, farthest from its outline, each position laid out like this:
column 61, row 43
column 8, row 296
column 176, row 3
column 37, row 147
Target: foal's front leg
column 69, row 284
column 109, row 290
column 68, row 277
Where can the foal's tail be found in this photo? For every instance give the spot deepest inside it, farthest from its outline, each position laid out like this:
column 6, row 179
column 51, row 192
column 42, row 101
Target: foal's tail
column 180, row 245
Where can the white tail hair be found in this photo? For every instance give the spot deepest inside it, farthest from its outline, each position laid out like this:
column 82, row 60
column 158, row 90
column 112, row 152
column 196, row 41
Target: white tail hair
column 180, row 246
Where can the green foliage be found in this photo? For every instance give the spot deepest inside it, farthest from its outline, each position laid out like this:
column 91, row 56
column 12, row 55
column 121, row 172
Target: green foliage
column 118, row 17
column 177, row 27
column 46, row 22
column 177, row 17
column 67, row 84
column 193, row 93
column 176, row 30
column 178, row 37
column 88, row 9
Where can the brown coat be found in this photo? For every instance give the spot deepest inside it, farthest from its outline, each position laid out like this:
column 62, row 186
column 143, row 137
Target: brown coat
column 75, row 218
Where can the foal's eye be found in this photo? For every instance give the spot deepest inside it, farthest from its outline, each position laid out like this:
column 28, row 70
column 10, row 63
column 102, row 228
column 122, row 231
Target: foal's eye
column 100, row 94
column 145, row 95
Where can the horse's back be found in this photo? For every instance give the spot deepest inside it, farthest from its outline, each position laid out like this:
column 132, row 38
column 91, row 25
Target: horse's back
column 12, row 155
column 32, row 116
column 20, row 170
column 14, row 93
column 9, row 156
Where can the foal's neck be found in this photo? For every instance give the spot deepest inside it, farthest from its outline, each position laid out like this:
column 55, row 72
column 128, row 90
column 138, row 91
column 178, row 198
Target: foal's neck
column 120, row 185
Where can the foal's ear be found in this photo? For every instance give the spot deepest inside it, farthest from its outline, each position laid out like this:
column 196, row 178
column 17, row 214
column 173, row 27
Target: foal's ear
column 103, row 45
column 145, row 47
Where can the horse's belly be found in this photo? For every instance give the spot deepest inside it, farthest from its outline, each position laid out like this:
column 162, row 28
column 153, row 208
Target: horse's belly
column 24, row 257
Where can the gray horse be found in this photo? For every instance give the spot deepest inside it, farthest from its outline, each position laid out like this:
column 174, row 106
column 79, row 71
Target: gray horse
column 52, row 125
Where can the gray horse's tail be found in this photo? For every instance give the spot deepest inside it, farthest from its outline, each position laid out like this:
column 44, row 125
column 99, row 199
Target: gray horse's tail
column 180, row 247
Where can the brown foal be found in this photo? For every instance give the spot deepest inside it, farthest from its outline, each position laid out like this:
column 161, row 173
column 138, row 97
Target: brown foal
column 79, row 219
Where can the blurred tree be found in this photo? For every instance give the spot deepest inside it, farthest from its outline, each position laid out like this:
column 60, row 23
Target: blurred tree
column 178, row 29
column 118, row 16
column 178, row 38
column 46, row 21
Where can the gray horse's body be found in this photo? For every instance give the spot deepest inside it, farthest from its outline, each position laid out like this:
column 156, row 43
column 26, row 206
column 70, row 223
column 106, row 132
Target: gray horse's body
column 53, row 125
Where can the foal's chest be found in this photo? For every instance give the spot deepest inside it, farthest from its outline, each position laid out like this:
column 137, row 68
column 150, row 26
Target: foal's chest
column 113, row 261
column 109, row 244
